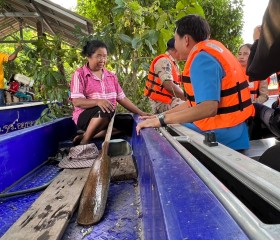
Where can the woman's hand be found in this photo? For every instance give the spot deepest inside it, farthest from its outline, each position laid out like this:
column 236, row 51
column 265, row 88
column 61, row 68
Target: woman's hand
column 105, row 105
column 147, row 116
column 143, row 114
column 152, row 122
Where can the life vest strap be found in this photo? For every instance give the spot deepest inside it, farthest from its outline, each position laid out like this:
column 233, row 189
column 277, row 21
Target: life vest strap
column 254, row 91
column 186, row 79
column 154, row 83
column 235, row 89
column 190, row 98
column 235, row 108
column 154, row 74
column 150, row 91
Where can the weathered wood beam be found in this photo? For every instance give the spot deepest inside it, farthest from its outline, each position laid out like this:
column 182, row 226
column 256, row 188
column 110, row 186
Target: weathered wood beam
column 19, row 14
column 44, row 19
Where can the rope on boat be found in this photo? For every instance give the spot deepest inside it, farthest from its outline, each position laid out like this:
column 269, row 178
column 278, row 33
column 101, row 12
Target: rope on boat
column 30, row 190
column 61, row 153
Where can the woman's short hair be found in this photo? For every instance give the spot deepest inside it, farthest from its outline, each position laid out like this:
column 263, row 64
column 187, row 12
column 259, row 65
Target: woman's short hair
column 91, row 46
column 193, row 25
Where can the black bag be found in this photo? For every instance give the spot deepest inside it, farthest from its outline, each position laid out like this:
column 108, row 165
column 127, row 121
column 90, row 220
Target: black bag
column 266, row 60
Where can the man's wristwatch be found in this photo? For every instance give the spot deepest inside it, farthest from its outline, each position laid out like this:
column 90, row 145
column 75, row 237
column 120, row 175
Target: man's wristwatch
column 161, row 119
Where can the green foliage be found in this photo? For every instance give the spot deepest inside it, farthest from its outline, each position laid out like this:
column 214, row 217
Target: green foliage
column 135, row 32
column 50, row 63
column 48, row 58
column 225, row 20
column 17, row 65
column 3, row 4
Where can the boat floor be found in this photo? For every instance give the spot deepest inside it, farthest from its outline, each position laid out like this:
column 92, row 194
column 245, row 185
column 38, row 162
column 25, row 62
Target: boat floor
column 121, row 220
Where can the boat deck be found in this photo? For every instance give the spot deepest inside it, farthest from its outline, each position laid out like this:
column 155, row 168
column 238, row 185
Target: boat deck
column 175, row 195
column 121, row 220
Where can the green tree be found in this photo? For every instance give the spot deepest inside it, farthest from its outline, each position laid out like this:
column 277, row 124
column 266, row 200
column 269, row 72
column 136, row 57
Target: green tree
column 135, row 31
column 18, row 65
column 225, row 20
column 51, row 63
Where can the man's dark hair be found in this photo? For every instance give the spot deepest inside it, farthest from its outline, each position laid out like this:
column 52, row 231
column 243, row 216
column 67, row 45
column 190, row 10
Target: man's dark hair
column 91, row 46
column 170, row 44
column 193, row 25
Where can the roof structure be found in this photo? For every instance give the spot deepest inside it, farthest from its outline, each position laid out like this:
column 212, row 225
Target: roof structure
column 42, row 16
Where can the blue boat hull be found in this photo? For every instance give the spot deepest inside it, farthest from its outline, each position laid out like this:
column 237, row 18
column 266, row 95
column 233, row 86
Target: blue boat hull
column 174, row 202
column 20, row 116
column 26, row 149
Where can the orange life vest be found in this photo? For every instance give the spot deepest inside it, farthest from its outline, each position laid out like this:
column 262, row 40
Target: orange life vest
column 154, row 88
column 235, row 104
column 253, row 86
column 254, row 89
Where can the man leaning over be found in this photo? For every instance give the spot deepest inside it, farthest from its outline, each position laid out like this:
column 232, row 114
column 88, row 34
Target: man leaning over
column 218, row 98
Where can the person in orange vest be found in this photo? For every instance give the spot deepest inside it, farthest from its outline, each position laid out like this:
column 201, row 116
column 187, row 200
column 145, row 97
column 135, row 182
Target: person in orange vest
column 4, row 57
column 163, row 83
column 218, row 98
column 258, row 89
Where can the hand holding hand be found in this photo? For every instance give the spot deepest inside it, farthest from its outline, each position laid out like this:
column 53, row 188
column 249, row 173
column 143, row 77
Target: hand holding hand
column 105, row 105
column 142, row 114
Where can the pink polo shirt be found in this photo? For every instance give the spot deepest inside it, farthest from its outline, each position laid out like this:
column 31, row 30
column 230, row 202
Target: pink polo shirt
column 84, row 84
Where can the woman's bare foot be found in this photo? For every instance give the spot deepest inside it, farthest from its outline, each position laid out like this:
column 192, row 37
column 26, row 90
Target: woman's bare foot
column 102, row 133
column 77, row 140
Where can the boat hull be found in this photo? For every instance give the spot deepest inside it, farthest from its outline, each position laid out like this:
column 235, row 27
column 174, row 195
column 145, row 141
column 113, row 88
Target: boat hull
column 168, row 201
column 24, row 150
column 20, row 116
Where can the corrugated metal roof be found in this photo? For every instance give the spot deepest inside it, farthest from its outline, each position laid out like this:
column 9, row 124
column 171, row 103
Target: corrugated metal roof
column 54, row 19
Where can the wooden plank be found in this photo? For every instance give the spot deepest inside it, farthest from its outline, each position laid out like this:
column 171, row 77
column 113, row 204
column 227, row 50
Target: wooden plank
column 49, row 215
column 123, row 168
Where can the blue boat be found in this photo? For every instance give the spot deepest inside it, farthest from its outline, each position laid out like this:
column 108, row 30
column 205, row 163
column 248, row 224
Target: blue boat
column 20, row 115
column 185, row 189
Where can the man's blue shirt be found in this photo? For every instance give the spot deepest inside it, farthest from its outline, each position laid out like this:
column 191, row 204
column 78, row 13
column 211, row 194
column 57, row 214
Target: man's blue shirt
column 206, row 76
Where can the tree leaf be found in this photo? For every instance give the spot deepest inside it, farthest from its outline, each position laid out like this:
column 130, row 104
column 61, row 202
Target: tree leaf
column 136, row 43
column 125, row 38
column 162, row 21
